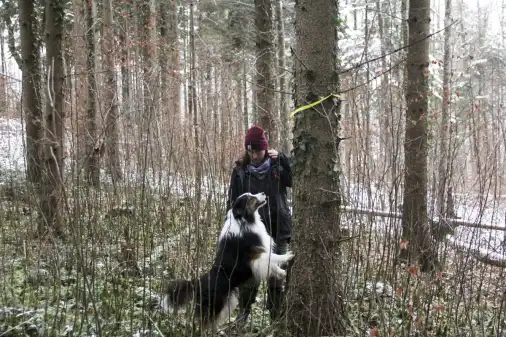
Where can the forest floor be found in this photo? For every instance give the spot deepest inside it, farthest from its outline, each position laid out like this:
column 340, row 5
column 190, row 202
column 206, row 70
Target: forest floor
column 105, row 278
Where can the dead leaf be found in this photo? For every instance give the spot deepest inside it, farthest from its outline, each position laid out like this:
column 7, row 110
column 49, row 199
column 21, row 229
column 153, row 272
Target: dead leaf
column 399, row 291
column 374, row 332
column 413, row 271
column 439, row 308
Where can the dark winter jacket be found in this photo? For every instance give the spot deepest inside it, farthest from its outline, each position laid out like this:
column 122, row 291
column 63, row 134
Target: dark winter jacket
column 276, row 214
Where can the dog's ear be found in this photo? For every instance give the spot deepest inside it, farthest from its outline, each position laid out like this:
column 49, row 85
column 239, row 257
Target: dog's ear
column 239, row 207
column 251, row 205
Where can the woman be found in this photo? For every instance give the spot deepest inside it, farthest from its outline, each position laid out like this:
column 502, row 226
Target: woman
column 264, row 170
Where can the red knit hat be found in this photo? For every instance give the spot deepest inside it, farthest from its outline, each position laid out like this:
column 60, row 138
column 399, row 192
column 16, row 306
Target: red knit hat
column 255, row 139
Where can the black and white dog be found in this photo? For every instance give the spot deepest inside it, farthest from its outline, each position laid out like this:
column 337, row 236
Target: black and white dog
column 245, row 250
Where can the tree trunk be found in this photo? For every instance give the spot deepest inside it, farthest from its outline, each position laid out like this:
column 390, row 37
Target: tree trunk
column 111, row 97
column 169, row 62
column 31, row 81
column 367, row 171
column 146, row 26
column 315, row 303
column 3, row 65
column 92, row 144
column 125, row 61
column 286, row 145
column 265, row 81
column 385, row 112
column 80, row 83
column 51, row 192
column 415, row 225
column 443, row 179
column 192, row 104
column 245, row 96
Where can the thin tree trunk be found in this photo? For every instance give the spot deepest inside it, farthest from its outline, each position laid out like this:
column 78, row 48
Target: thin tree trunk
column 265, row 81
column 443, row 179
column 385, row 112
column 415, row 225
column 111, row 95
column 286, row 145
column 366, row 138
column 192, row 101
column 125, row 62
column 245, row 96
column 80, row 83
column 3, row 85
column 31, row 80
column 92, row 144
column 169, row 62
column 147, row 26
column 53, row 156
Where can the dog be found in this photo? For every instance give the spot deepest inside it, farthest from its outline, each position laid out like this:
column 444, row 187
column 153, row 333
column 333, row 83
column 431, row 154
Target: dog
column 245, row 250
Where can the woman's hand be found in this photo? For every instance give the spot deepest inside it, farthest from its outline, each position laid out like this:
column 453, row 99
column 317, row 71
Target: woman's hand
column 273, row 154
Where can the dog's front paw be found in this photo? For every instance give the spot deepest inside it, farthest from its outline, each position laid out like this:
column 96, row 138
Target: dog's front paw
column 289, row 255
column 280, row 274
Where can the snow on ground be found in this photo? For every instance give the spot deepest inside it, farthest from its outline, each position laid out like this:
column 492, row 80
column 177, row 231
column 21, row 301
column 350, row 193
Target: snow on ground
column 488, row 242
column 492, row 212
column 11, row 146
column 12, row 160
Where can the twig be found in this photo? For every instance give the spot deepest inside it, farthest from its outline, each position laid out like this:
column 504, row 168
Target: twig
column 297, row 57
column 348, row 238
column 372, row 9
column 374, row 78
column 156, row 327
column 6, row 332
column 397, row 50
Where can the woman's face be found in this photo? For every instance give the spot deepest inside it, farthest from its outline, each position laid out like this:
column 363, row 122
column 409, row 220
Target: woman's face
column 257, row 156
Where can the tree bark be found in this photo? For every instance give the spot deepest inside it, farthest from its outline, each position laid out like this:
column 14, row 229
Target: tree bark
column 92, row 145
column 315, row 303
column 125, row 61
column 415, row 222
column 111, row 95
column 80, row 83
column 385, row 112
column 265, row 82
column 169, row 62
column 147, row 24
column 31, row 81
column 245, row 96
column 443, row 178
column 286, row 145
column 192, row 104
column 51, row 192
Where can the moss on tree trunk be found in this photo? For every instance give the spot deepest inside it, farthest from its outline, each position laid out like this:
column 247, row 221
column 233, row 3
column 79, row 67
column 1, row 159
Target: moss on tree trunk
column 315, row 303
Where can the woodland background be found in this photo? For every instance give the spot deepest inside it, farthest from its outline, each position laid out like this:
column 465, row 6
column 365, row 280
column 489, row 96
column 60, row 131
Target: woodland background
column 120, row 122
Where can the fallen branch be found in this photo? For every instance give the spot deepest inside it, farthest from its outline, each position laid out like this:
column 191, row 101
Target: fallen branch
column 486, row 258
column 395, row 215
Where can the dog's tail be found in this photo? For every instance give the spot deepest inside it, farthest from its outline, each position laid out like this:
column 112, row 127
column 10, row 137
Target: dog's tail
column 177, row 294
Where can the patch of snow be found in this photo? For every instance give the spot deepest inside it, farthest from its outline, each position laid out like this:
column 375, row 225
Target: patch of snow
column 12, row 149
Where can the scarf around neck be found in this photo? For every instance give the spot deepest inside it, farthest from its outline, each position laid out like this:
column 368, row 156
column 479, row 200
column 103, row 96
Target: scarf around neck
column 260, row 169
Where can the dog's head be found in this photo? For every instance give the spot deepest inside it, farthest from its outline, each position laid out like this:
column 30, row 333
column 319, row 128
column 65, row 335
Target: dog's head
column 246, row 205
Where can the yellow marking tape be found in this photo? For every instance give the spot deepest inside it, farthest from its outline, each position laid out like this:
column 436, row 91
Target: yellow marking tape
column 305, row 107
